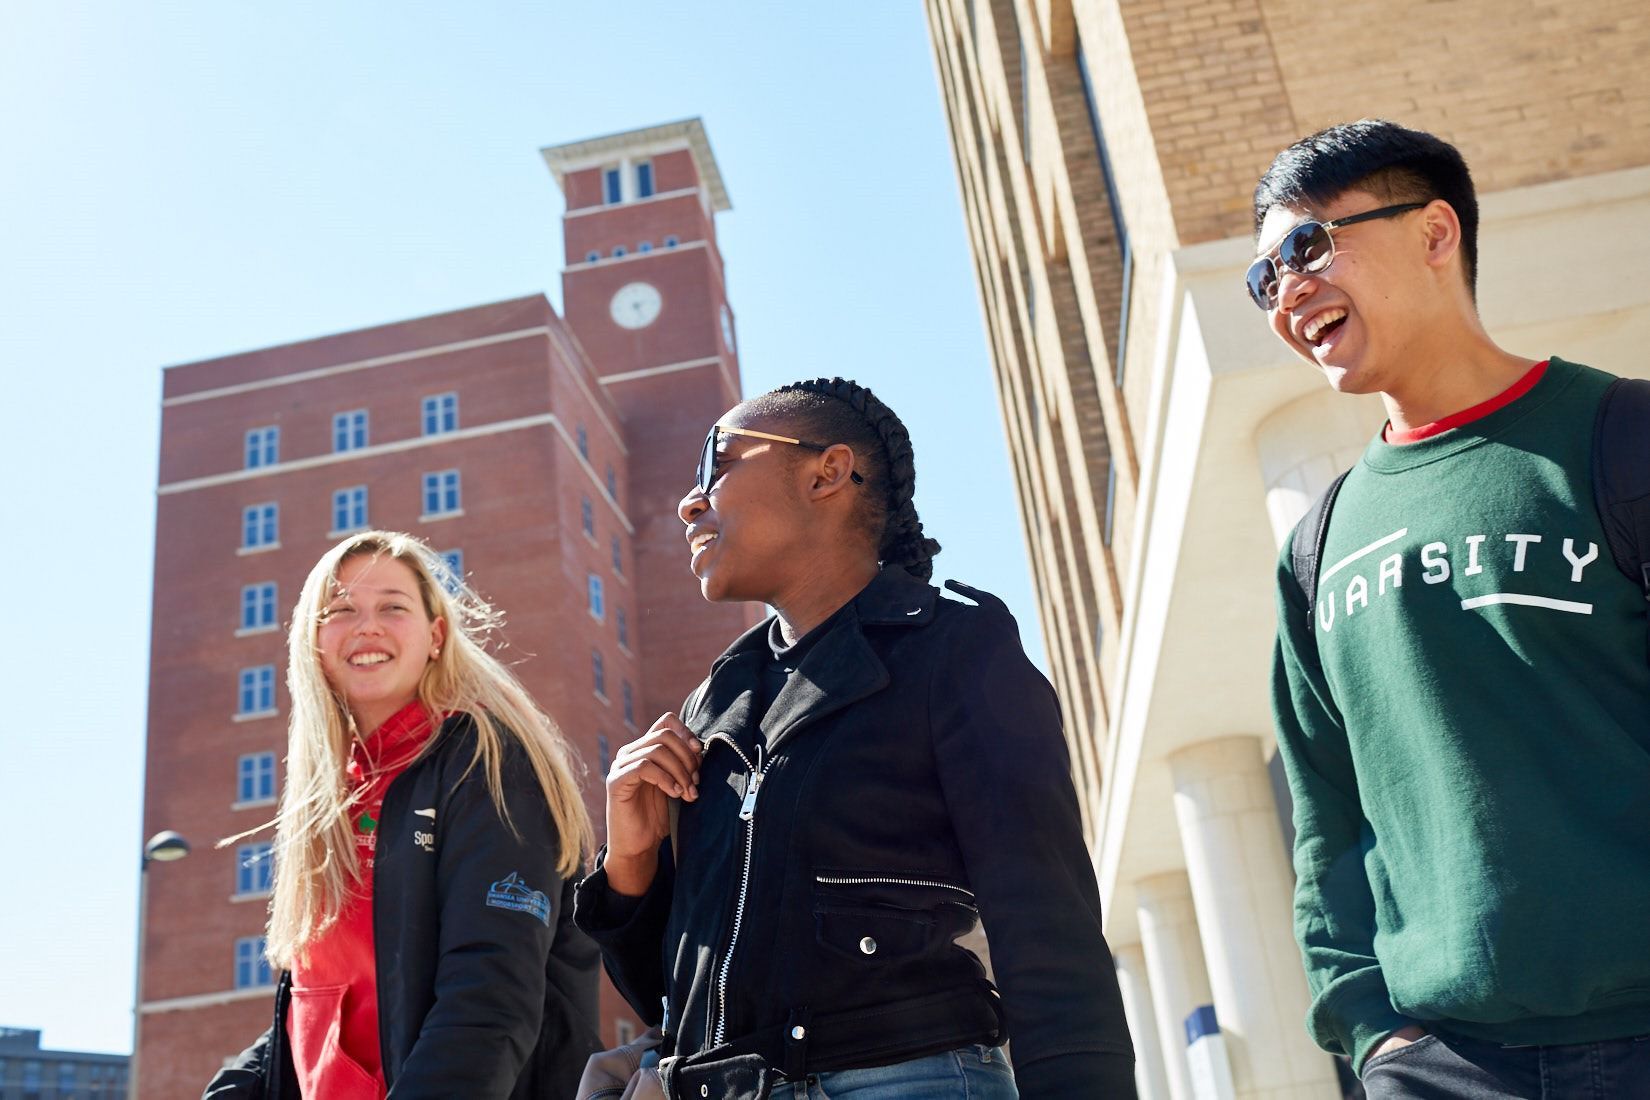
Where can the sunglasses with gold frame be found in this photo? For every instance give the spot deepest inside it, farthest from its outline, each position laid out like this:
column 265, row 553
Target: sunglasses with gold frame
column 710, row 464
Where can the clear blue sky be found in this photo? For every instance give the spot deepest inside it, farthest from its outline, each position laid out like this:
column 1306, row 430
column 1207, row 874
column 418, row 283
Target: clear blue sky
column 187, row 179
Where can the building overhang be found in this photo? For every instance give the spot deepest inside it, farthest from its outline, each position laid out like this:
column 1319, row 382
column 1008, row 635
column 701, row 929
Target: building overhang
column 687, row 133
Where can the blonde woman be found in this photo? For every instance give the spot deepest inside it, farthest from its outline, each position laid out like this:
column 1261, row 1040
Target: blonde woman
column 428, row 837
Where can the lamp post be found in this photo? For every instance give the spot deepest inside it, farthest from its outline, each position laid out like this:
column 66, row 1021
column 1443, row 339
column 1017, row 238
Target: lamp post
column 165, row 846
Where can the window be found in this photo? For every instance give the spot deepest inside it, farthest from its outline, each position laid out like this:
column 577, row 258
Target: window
column 349, row 509
column 440, row 413
column 253, row 868
column 1124, row 248
column 592, row 256
column 587, row 516
column 629, row 705
column 603, row 752
column 251, row 966
column 598, row 673
column 258, row 606
column 624, row 1031
column 31, row 1077
column 441, row 495
column 620, row 250
column 257, row 695
column 644, row 179
column 263, row 447
column 349, row 430
column 584, row 442
column 594, row 585
column 1111, row 501
column 623, row 623
column 610, row 185
column 612, row 482
column 670, row 241
column 618, row 556
column 645, row 246
column 65, row 1077
column 255, row 777
column 453, row 560
column 260, row 526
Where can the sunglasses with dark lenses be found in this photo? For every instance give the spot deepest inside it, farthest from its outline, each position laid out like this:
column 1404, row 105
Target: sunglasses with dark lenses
column 710, row 463
column 1306, row 249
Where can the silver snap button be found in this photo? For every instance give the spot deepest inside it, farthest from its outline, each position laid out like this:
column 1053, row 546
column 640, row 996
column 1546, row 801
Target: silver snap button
column 704, row 1090
column 799, row 1032
column 868, row 945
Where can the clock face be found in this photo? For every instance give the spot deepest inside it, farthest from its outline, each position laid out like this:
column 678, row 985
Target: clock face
column 635, row 305
column 727, row 328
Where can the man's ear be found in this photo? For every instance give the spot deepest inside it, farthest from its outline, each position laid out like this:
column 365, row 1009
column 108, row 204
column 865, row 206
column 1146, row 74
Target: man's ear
column 1441, row 229
column 832, row 471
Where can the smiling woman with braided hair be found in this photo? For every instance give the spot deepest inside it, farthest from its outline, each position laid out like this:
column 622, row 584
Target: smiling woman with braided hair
column 859, row 781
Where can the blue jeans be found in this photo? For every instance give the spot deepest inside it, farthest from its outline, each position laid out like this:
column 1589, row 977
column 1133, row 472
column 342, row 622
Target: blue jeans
column 974, row 1073
column 1449, row 1067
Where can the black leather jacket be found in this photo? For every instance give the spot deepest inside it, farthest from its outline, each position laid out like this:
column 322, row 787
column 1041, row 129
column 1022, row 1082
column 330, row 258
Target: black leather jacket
column 475, row 998
column 909, row 779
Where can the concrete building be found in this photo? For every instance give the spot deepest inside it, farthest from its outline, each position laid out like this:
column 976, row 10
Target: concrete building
column 543, row 454
column 29, row 1073
column 1164, row 443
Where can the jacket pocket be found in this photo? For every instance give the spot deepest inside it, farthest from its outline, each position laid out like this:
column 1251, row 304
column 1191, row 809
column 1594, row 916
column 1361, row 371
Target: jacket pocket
column 324, row 1068
column 901, row 890
column 874, row 935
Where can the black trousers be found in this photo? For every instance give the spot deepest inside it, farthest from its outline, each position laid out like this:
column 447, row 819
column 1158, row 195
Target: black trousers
column 1449, row 1067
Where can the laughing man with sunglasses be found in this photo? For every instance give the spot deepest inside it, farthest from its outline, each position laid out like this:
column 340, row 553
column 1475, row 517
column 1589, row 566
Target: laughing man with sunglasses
column 1463, row 709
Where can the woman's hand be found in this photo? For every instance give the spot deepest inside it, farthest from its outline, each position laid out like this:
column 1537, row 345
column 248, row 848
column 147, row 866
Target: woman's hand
column 647, row 773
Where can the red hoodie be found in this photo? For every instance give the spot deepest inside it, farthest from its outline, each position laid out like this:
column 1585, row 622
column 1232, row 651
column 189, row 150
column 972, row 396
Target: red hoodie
column 333, row 1022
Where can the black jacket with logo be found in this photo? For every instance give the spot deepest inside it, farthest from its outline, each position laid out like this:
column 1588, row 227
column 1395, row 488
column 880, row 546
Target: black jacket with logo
column 481, row 992
column 909, row 780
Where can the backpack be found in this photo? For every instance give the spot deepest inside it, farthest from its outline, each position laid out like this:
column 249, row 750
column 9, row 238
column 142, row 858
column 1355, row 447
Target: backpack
column 1621, row 491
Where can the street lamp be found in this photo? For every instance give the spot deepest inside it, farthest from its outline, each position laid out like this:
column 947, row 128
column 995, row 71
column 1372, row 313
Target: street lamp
column 165, row 846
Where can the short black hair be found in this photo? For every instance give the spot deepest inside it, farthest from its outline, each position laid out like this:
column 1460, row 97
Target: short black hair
column 837, row 410
column 1391, row 162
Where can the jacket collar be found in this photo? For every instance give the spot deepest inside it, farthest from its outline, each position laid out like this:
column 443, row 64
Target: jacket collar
column 840, row 669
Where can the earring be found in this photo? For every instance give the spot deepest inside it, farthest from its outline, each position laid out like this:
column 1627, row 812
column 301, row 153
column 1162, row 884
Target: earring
column 435, row 654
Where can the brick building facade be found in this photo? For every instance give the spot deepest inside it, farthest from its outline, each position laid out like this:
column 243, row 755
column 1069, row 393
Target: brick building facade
column 544, row 454
column 1163, row 443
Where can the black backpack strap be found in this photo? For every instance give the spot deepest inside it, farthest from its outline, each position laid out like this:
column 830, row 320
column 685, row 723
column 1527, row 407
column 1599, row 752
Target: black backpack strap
column 1306, row 545
column 1621, row 475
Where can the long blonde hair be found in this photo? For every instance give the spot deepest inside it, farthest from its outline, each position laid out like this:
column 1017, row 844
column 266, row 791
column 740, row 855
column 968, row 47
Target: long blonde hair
column 316, row 866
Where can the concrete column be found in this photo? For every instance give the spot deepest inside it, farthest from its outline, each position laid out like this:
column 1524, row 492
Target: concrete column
column 1150, row 1080
column 1304, row 445
column 1242, row 886
column 1174, row 966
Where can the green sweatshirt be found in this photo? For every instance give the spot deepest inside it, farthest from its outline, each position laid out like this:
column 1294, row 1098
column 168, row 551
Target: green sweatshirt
column 1464, row 720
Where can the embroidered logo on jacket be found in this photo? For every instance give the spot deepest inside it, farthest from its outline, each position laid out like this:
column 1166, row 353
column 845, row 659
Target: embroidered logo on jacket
column 514, row 894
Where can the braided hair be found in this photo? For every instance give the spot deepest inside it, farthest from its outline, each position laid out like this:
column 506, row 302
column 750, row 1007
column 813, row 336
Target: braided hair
column 836, row 410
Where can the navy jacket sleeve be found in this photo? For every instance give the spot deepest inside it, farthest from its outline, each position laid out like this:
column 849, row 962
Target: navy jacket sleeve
column 496, row 888
column 1006, row 778
column 631, row 933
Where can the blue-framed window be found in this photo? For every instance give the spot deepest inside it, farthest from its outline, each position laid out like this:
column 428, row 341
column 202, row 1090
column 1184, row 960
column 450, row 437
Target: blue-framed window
column 453, row 562
column 251, row 963
column 258, row 606
column 257, row 694
column 612, row 189
column 440, row 413
column 598, row 608
column 253, row 868
column 592, row 256
column 617, row 554
column 644, row 179
column 587, row 516
column 620, row 251
column 263, row 447
column 584, row 442
column 622, row 623
column 349, row 430
column 671, row 241
column 349, row 509
column 255, row 777
column 441, row 493
column 629, row 705
column 604, row 752
column 260, row 526
column 612, row 482
column 645, row 246
column 598, row 673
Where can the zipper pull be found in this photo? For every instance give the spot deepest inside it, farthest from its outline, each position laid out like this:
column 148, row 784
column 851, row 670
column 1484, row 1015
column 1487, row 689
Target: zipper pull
column 747, row 808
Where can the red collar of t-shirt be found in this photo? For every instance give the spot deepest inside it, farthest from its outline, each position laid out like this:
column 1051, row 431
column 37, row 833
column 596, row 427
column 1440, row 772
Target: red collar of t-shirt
column 1466, row 416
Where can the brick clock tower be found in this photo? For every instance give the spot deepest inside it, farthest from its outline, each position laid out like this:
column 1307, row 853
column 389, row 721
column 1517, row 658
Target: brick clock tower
column 645, row 292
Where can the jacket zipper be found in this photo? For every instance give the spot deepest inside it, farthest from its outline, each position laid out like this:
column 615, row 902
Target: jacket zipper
column 873, row 880
column 717, row 1026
